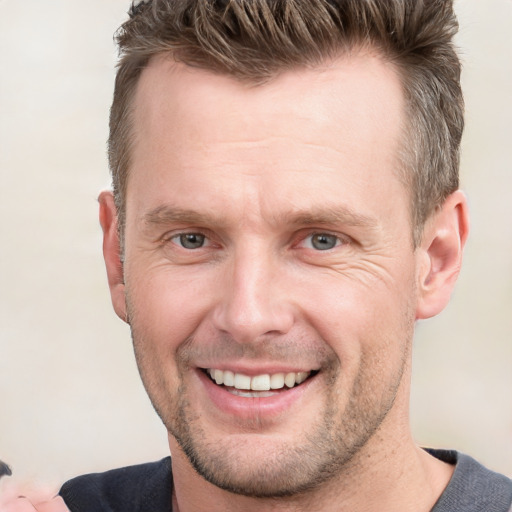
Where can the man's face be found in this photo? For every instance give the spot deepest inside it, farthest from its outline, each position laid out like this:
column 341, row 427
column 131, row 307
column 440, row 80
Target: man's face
column 268, row 241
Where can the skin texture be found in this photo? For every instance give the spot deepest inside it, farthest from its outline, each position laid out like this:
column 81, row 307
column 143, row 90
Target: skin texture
column 256, row 173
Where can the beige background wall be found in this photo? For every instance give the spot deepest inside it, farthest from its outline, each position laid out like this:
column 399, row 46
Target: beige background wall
column 70, row 397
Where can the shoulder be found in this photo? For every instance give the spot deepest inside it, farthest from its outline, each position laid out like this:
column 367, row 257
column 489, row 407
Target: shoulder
column 473, row 487
column 129, row 489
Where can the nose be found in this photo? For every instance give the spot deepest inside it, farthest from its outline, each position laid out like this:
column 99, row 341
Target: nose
column 253, row 298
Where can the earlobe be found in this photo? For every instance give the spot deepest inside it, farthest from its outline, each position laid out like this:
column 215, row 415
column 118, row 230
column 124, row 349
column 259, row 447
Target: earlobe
column 112, row 252
column 444, row 237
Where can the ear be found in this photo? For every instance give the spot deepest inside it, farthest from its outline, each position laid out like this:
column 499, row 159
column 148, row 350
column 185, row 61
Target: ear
column 112, row 253
column 442, row 244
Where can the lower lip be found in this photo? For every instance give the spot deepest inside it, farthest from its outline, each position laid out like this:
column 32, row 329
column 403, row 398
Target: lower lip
column 250, row 407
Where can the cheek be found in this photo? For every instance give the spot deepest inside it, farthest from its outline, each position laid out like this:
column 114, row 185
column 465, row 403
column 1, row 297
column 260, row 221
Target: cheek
column 353, row 314
column 166, row 305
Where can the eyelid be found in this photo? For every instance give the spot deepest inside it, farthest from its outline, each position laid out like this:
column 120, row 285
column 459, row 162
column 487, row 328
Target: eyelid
column 185, row 231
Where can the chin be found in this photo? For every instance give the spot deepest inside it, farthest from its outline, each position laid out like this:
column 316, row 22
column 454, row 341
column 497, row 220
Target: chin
column 269, row 465
column 259, row 466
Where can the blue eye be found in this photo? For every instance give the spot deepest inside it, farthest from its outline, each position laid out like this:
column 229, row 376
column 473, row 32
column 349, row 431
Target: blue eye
column 323, row 241
column 190, row 240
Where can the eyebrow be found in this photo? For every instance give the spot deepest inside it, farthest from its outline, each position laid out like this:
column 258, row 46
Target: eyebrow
column 322, row 216
column 331, row 215
column 166, row 214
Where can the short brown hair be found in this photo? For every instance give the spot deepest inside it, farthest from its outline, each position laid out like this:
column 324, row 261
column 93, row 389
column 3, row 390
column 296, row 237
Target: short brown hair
column 253, row 40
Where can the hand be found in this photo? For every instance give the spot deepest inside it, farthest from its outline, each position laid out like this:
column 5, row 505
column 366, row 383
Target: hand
column 14, row 498
column 23, row 504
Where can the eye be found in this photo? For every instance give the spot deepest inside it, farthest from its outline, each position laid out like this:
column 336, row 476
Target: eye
column 322, row 241
column 190, row 240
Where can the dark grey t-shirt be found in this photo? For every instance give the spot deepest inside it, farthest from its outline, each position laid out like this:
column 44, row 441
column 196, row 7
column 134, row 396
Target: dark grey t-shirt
column 472, row 487
column 148, row 488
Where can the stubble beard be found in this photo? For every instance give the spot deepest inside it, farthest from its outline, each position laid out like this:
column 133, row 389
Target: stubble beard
column 323, row 453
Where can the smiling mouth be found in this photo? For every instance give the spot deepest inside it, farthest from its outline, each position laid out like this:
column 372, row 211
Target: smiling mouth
column 257, row 386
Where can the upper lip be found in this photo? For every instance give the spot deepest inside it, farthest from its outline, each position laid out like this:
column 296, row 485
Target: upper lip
column 258, row 370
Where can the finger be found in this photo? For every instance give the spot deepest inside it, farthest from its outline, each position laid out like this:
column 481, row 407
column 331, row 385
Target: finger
column 54, row 505
column 23, row 504
column 20, row 504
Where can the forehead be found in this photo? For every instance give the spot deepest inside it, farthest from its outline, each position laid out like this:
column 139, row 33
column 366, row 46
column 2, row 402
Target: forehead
column 298, row 132
column 362, row 86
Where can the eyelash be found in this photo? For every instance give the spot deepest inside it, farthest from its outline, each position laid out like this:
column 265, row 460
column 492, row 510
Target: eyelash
column 178, row 239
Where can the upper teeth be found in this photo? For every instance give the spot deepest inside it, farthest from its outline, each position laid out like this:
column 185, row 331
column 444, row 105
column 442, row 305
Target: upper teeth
column 263, row 382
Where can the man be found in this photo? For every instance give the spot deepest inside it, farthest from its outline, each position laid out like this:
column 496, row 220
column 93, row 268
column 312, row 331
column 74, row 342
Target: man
column 285, row 207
